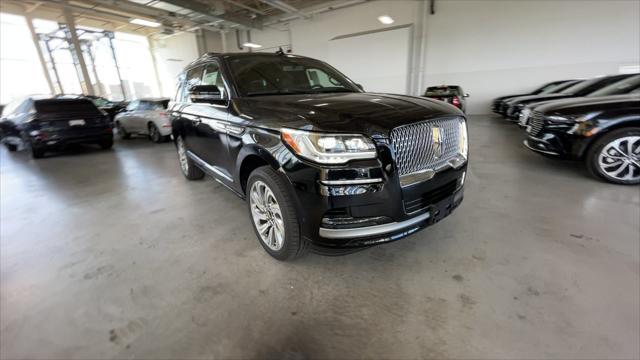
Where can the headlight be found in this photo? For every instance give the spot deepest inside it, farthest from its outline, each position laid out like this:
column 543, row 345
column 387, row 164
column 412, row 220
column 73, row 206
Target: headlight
column 328, row 148
column 463, row 146
column 559, row 118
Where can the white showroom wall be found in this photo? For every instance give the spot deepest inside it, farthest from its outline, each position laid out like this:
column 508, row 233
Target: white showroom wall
column 490, row 47
column 172, row 54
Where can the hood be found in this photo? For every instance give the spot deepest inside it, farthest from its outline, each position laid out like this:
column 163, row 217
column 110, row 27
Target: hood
column 366, row 113
column 587, row 104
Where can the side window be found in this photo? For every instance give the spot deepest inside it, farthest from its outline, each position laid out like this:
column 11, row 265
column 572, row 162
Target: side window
column 212, row 76
column 133, row 105
column 144, row 105
column 194, row 77
column 12, row 107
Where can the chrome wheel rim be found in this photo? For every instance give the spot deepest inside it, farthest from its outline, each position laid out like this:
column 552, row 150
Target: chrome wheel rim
column 620, row 159
column 182, row 155
column 266, row 215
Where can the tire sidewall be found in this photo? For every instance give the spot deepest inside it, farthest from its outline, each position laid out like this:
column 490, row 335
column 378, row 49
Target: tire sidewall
column 292, row 239
column 594, row 153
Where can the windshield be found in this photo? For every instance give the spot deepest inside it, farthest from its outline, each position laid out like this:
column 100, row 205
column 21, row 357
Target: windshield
column 579, row 86
column 621, row 87
column 442, row 91
column 274, row 75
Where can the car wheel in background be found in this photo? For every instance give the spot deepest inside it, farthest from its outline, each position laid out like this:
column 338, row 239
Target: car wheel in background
column 37, row 153
column 273, row 214
column 188, row 167
column 122, row 131
column 11, row 147
column 154, row 133
column 106, row 144
column 615, row 157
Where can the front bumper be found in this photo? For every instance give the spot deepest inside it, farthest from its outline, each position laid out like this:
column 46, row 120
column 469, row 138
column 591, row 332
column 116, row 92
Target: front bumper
column 344, row 215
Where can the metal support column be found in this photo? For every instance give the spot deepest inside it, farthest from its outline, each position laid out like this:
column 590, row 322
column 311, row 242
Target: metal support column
column 45, row 41
column 76, row 50
column 152, row 50
column 43, row 63
column 94, row 69
column 115, row 62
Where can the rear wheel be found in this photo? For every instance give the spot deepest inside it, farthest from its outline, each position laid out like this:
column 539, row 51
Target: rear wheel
column 154, row 133
column 106, row 144
column 37, row 153
column 122, row 131
column 616, row 157
column 11, row 147
column 188, row 167
column 273, row 214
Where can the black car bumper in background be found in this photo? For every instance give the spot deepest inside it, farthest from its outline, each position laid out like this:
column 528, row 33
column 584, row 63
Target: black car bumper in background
column 61, row 139
column 558, row 144
column 372, row 207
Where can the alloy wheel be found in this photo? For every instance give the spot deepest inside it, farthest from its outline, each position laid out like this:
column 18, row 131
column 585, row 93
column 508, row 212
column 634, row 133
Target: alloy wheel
column 182, row 155
column 620, row 159
column 267, row 215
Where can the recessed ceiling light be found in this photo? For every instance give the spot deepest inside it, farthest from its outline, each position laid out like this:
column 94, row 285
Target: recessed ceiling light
column 386, row 19
column 252, row 45
column 144, row 22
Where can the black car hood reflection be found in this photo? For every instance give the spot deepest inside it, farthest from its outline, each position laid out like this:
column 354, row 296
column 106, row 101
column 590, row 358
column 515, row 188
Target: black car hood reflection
column 368, row 113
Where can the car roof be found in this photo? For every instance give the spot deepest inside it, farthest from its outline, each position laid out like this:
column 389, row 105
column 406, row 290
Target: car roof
column 236, row 55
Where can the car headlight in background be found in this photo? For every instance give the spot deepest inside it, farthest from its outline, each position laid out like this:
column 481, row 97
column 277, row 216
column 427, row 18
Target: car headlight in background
column 559, row 118
column 326, row 148
column 463, row 146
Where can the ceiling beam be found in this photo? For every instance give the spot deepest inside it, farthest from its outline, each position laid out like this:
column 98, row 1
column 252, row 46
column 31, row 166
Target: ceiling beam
column 216, row 12
column 281, row 5
column 253, row 10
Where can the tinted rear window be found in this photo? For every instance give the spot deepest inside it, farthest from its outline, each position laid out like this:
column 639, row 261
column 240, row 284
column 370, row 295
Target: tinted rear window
column 442, row 91
column 61, row 106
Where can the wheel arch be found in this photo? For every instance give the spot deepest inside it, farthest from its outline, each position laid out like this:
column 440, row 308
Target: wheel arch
column 606, row 129
column 250, row 158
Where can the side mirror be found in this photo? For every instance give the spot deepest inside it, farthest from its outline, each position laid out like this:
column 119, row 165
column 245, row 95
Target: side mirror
column 205, row 94
column 360, row 87
column 466, row 95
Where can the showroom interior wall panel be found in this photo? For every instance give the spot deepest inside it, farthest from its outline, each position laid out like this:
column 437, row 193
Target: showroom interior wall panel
column 490, row 47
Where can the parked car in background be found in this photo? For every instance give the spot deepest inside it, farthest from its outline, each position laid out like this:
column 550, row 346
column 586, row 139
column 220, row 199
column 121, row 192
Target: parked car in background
column 452, row 94
column 145, row 117
column 583, row 88
column 625, row 86
column 602, row 131
column 496, row 105
column 112, row 108
column 45, row 123
column 321, row 163
column 503, row 105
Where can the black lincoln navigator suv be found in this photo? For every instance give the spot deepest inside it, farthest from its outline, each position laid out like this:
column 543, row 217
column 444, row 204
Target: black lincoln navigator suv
column 321, row 163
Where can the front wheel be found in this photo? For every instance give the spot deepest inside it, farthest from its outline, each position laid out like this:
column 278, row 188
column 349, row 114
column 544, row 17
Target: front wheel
column 273, row 214
column 616, row 157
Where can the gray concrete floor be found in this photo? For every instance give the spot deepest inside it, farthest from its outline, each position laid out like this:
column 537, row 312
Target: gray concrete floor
column 113, row 254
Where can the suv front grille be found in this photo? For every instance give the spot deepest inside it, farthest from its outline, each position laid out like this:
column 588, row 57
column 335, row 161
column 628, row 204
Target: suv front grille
column 536, row 122
column 425, row 145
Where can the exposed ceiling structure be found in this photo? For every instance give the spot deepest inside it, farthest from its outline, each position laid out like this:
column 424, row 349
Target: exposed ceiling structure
column 173, row 16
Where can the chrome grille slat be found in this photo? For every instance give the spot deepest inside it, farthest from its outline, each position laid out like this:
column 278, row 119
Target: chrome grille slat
column 536, row 122
column 415, row 149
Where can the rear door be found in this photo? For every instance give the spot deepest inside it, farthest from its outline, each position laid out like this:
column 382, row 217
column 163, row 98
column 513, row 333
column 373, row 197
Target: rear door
column 128, row 117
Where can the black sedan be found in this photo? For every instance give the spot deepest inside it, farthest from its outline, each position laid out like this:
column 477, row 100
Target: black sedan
column 44, row 123
column 603, row 131
column 516, row 105
column 497, row 104
column 625, row 86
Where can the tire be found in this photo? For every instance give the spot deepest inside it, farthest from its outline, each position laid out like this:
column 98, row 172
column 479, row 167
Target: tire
column 617, row 144
column 106, row 144
column 37, row 153
column 188, row 167
column 154, row 134
column 291, row 245
column 122, row 131
column 11, row 147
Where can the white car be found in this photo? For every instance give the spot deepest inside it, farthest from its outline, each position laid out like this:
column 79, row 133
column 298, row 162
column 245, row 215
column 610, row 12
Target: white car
column 145, row 117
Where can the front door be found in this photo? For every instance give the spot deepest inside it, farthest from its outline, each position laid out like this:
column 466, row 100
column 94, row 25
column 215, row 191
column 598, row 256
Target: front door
column 208, row 138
